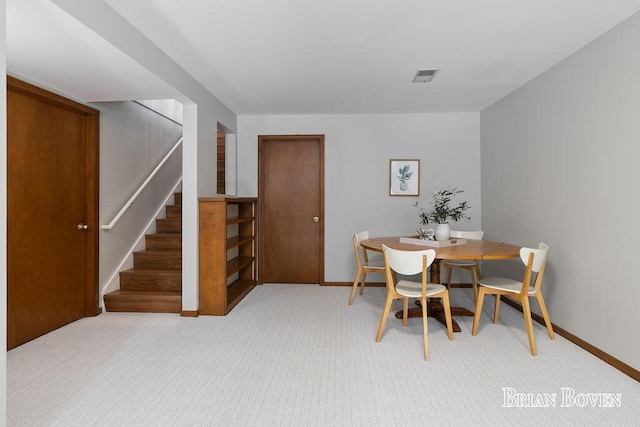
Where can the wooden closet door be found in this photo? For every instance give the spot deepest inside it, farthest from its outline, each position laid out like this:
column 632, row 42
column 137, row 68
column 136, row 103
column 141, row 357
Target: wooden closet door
column 51, row 168
column 291, row 187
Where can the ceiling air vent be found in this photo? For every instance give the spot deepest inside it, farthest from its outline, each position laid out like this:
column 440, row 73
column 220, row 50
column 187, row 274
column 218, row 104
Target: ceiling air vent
column 423, row 76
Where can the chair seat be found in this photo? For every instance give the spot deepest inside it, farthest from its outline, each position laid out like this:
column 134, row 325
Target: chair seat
column 411, row 289
column 460, row 262
column 504, row 284
column 374, row 264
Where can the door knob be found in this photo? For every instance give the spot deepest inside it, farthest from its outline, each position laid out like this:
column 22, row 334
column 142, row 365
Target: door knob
column 82, row 226
column 316, row 219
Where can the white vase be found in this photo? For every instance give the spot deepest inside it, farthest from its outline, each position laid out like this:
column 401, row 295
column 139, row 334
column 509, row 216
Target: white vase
column 442, row 232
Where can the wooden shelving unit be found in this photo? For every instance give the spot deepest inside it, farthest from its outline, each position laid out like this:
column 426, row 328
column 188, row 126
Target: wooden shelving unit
column 227, row 242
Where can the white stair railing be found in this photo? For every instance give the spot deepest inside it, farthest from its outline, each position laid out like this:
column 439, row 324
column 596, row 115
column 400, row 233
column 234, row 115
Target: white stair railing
column 142, row 187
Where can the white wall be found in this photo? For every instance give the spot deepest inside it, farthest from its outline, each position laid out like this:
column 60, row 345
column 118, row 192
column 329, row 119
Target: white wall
column 357, row 153
column 133, row 141
column 170, row 108
column 207, row 155
column 560, row 165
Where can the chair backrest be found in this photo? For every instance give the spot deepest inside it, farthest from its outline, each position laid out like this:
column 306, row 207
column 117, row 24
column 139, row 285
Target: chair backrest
column 357, row 238
column 536, row 265
column 474, row 235
column 539, row 256
column 408, row 263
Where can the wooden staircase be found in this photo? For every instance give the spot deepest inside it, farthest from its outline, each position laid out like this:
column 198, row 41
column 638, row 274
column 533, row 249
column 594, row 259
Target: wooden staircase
column 154, row 285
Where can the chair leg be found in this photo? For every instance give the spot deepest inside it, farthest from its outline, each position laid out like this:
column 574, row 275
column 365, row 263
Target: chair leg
column 405, row 311
column 474, row 282
column 476, row 316
column 385, row 314
column 355, row 285
column 526, row 309
column 362, row 282
column 449, row 271
column 496, row 309
column 425, row 330
column 447, row 314
column 545, row 315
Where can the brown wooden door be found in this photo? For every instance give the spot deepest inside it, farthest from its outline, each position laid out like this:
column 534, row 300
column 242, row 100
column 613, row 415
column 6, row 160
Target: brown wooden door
column 51, row 189
column 291, row 206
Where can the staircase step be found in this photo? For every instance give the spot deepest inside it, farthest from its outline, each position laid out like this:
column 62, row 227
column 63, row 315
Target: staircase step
column 157, row 259
column 154, row 285
column 173, row 211
column 143, row 302
column 169, row 225
column 151, row 280
column 172, row 241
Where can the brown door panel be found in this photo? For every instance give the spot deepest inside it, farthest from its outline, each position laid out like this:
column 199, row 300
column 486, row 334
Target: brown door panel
column 291, row 197
column 51, row 266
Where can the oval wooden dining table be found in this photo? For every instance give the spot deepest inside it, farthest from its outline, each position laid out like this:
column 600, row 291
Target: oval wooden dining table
column 473, row 249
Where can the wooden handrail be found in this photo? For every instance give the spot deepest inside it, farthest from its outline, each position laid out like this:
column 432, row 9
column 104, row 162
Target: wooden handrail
column 142, row 187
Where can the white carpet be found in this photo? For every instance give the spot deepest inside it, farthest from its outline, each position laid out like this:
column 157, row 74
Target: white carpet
column 298, row 355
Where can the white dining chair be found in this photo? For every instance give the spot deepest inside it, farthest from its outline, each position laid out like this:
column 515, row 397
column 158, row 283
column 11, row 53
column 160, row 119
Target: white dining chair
column 535, row 261
column 409, row 263
column 363, row 265
column 470, row 265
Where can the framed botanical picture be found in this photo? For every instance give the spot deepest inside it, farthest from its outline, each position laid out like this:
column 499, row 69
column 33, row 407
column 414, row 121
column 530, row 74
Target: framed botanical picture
column 404, row 177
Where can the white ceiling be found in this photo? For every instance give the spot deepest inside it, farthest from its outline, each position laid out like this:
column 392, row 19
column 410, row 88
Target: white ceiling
column 315, row 57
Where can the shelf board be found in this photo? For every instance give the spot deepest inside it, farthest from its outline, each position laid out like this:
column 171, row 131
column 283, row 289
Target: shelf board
column 238, row 290
column 239, row 220
column 236, row 264
column 234, row 241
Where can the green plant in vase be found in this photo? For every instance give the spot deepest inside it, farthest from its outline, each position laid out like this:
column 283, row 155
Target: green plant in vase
column 441, row 211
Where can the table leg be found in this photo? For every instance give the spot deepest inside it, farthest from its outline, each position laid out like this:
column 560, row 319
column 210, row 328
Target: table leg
column 434, row 271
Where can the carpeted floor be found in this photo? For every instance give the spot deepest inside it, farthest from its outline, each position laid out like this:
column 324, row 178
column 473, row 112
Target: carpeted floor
column 298, row 355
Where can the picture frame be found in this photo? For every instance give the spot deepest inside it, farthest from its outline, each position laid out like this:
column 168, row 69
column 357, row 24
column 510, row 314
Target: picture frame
column 404, row 177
